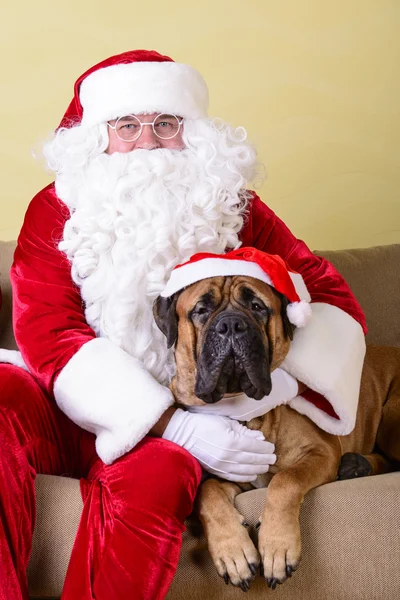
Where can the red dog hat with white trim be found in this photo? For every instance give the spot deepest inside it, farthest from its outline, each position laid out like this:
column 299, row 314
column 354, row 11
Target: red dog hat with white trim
column 136, row 82
column 251, row 262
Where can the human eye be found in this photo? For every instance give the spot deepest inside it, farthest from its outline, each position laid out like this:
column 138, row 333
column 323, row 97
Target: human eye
column 128, row 124
column 164, row 125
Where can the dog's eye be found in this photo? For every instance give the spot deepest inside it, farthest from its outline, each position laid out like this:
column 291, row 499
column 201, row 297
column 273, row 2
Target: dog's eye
column 257, row 306
column 200, row 310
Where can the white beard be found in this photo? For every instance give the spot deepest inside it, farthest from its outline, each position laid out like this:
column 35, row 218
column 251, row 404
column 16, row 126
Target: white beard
column 134, row 217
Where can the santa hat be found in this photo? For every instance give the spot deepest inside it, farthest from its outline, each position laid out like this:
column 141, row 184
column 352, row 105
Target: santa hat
column 136, row 82
column 251, row 262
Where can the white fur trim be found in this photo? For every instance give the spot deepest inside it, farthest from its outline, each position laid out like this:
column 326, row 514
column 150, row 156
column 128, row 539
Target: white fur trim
column 134, row 88
column 328, row 356
column 108, row 392
column 12, row 357
column 211, row 267
column 184, row 276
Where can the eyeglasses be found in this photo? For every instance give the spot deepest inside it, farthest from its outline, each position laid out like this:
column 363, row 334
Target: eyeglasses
column 129, row 128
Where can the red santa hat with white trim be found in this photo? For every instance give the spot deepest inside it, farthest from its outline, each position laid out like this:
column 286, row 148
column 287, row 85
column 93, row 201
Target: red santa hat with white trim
column 135, row 82
column 250, row 262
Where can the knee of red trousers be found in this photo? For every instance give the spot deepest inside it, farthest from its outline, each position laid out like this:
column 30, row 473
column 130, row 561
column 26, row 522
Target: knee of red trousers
column 33, row 425
column 132, row 523
column 20, row 399
column 156, row 475
column 16, row 387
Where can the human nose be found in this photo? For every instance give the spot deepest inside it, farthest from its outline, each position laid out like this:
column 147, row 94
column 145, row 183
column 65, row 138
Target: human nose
column 147, row 139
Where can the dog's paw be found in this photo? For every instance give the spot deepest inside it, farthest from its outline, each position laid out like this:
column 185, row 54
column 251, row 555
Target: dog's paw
column 354, row 465
column 279, row 546
column 235, row 556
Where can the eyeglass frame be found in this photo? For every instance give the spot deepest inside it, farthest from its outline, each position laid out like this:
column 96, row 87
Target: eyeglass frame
column 114, row 127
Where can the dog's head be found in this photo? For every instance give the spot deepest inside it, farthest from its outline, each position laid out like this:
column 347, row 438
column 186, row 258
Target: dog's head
column 229, row 334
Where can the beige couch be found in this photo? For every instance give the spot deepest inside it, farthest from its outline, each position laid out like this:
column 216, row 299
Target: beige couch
column 351, row 530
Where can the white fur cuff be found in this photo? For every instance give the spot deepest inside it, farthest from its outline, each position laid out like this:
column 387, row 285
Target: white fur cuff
column 13, row 357
column 328, row 356
column 108, row 392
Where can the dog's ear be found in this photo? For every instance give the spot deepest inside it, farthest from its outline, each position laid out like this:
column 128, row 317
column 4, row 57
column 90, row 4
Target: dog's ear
column 288, row 327
column 164, row 311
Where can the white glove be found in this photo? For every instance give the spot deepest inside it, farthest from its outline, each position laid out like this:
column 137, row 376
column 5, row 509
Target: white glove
column 223, row 447
column 242, row 408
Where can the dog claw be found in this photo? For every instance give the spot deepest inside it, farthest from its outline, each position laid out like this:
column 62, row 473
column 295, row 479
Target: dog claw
column 226, row 578
column 272, row 582
column 258, row 524
column 244, row 586
column 289, row 570
column 245, row 524
column 253, row 569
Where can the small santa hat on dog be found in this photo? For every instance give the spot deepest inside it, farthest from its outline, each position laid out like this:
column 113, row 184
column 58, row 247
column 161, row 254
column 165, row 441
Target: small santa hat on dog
column 251, row 262
column 136, row 82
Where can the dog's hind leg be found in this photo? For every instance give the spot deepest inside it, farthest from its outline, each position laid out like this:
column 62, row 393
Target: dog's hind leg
column 355, row 465
column 234, row 554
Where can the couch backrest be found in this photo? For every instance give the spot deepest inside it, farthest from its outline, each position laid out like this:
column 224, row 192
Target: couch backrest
column 372, row 273
column 374, row 276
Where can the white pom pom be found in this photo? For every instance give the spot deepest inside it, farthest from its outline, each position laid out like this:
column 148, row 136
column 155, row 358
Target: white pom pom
column 299, row 313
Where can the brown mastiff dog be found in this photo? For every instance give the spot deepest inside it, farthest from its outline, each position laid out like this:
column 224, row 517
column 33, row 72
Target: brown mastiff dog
column 230, row 333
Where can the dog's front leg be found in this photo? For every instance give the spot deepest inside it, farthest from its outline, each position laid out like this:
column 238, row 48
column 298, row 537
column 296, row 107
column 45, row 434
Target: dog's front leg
column 279, row 540
column 234, row 554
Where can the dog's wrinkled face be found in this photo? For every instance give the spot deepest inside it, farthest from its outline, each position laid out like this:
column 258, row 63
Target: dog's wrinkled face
column 230, row 333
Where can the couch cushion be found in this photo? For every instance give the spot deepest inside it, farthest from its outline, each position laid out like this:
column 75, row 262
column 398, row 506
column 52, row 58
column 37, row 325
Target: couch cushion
column 374, row 276
column 350, row 533
column 6, row 332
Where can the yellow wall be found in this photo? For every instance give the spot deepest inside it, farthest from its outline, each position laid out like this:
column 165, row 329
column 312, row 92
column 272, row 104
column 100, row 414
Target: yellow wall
column 315, row 82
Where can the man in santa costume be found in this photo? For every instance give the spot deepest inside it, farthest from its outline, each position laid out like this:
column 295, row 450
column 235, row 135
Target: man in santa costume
column 144, row 180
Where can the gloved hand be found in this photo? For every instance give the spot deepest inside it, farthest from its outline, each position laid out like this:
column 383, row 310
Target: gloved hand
column 242, row 408
column 223, row 447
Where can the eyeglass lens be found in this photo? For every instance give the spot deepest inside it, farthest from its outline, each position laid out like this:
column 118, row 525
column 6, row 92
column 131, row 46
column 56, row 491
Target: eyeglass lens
column 129, row 128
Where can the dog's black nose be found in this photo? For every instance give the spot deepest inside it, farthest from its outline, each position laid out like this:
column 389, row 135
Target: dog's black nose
column 231, row 325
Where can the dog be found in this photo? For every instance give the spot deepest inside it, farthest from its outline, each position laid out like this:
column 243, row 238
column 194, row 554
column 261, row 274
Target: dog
column 307, row 456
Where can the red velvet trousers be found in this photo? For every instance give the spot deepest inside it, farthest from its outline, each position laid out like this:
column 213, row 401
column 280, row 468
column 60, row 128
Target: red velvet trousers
column 129, row 537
